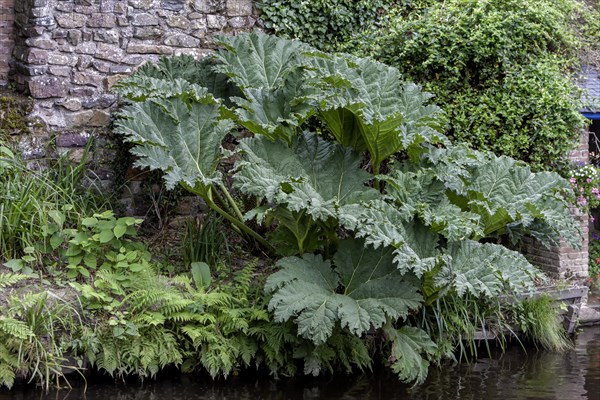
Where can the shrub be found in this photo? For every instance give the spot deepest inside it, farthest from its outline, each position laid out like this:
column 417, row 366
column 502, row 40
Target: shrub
column 500, row 69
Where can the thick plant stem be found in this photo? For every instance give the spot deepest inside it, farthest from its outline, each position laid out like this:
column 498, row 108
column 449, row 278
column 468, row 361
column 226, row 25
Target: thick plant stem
column 231, row 201
column 239, row 224
column 376, row 167
column 206, row 193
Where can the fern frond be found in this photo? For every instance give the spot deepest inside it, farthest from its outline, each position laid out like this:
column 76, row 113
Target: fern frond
column 9, row 279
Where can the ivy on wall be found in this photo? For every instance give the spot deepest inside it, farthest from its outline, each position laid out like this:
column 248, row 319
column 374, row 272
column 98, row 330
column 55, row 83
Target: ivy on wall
column 321, row 23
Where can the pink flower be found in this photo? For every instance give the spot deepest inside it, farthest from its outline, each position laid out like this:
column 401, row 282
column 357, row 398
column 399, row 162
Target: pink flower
column 589, row 180
column 595, row 191
column 572, row 180
column 581, row 201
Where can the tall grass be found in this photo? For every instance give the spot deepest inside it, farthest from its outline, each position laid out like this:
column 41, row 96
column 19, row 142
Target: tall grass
column 539, row 319
column 204, row 240
column 34, row 201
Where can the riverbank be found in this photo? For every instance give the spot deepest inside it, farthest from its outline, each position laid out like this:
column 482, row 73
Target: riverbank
column 512, row 376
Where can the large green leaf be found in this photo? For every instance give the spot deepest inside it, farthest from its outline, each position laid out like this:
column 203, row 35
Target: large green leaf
column 487, row 269
column 183, row 140
column 176, row 77
column 258, row 60
column 276, row 114
column 512, row 199
column 389, row 115
column 421, row 194
column 410, row 349
column 373, row 291
column 312, row 175
column 382, row 224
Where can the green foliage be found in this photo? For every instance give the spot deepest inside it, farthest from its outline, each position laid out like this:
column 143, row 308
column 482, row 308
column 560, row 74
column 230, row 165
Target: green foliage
column 320, row 23
column 35, row 329
column 380, row 170
column 100, row 242
column 36, row 203
column 539, row 319
column 410, row 349
column 500, row 69
column 204, row 240
column 373, row 291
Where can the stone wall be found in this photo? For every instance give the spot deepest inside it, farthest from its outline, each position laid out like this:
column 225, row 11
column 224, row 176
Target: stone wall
column 565, row 262
column 69, row 53
column 7, row 17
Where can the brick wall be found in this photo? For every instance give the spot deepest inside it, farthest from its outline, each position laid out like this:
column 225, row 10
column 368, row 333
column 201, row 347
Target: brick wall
column 565, row 262
column 7, row 18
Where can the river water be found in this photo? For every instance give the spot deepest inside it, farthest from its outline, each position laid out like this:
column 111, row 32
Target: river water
column 516, row 375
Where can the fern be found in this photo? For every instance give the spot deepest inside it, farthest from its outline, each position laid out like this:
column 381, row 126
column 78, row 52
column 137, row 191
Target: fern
column 9, row 279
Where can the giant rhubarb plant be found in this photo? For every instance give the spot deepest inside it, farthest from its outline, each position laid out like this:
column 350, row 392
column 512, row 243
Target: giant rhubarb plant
column 434, row 223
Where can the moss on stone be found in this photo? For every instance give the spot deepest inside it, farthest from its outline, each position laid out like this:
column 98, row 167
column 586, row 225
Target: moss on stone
column 14, row 110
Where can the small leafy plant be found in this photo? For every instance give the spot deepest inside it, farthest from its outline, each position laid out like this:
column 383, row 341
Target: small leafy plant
column 101, row 242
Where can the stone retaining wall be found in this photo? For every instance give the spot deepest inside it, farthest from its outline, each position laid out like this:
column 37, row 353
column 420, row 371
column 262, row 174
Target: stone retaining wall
column 69, row 53
column 7, row 18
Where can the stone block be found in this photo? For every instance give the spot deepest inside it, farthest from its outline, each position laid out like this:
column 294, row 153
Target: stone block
column 238, row 22
column 122, row 21
column 64, row 6
column 132, row 60
column 112, row 80
column 136, row 48
column 70, row 140
column 75, row 37
column 36, row 56
column 82, row 91
column 141, row 4
column 86, row 48
column 59, row 34
column 145, row 33
column 178, row 21
column 46, row 22
column 121, row 69
column 84, row 62
column 44, row 87
column 40, row 12
column 216, row 21
column 70, row 21
column 120, row 8
column 71, row 104
column 77, row 119
column 209, row 6
column 88, row 79
column 87, row 9
column 111, row 36
column 31, row 70
column 144, row 19
column 173, row 5
column 182, row 40
column 110, row 52
column 101, row 66
column 239, row 7
column 101, row 20
column 62, row 59
column 104, row 100
column 99, row 118
column 41, row 43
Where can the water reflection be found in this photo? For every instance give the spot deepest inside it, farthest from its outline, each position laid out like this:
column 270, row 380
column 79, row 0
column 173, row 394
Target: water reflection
column 537, row 375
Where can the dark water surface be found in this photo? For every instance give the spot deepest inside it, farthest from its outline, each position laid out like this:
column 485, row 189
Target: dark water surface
column 535, row 375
